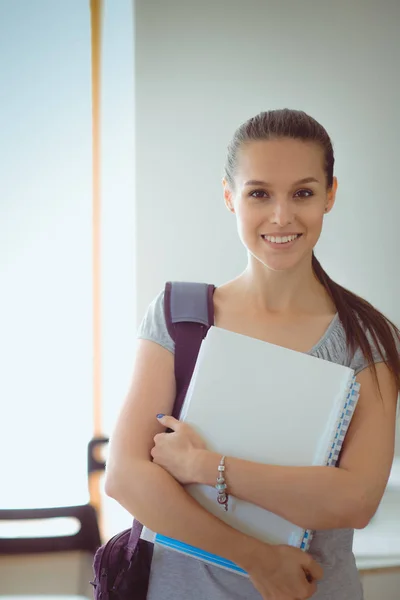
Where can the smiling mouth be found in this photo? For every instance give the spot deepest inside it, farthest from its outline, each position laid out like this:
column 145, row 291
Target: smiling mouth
column 286, row 239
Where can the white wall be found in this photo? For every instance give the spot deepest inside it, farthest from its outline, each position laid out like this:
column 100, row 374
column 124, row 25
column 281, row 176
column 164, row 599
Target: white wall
column 204, row 67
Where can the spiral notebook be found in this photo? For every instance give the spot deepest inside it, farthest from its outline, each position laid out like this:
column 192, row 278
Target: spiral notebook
column 264, row 403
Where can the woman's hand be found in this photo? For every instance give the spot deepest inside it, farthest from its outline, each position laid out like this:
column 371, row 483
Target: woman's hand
column 277, row 572
column 177, row 451
column 282, row 572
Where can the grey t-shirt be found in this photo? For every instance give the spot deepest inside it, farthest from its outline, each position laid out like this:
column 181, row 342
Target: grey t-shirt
column 178, row 577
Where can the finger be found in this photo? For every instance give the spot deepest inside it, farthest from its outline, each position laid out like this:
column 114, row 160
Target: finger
column 168, row 422
column 313, row 570
column 312, row 589
column 308, row 591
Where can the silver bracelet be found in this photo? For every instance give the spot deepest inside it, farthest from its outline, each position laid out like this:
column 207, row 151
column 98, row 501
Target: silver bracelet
column 221, row 487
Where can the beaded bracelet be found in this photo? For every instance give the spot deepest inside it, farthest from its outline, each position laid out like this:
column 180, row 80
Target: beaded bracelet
column 221, row 486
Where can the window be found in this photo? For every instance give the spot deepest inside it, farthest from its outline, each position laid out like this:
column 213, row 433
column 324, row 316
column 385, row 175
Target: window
column 46, row 384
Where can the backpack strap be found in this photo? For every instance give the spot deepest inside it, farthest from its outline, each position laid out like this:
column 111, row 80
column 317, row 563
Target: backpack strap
column 189, row 314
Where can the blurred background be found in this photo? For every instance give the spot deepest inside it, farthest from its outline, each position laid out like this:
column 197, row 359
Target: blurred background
column 115, row 117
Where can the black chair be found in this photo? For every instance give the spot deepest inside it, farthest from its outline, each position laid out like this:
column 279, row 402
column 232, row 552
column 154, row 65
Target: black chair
column 86, row 539
column 95, row 465
column 52, row 564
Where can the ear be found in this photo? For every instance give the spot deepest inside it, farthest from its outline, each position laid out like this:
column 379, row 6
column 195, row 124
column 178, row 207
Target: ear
column 228, row 196
column 331, row 196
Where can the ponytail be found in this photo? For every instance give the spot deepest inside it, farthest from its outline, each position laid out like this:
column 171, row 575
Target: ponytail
column 359, row 317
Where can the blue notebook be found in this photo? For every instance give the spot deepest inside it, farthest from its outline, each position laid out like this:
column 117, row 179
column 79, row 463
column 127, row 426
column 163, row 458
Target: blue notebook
column 276, row 406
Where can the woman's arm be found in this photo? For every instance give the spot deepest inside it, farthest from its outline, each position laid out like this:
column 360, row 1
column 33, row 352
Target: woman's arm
column 150, row 494
column 320, row 497
column 146, row 490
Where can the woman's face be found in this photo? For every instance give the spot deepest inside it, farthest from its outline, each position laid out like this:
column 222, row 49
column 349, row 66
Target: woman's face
column 279, row 200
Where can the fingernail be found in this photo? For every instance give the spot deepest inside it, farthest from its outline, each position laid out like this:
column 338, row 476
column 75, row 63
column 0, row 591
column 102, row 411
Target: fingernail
column 160, row 416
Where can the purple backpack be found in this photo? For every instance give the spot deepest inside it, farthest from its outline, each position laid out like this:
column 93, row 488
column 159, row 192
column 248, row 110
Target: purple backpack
column 122, row 565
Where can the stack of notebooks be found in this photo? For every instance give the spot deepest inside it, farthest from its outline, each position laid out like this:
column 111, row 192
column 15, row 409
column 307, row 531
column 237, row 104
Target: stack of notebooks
column 264, row 403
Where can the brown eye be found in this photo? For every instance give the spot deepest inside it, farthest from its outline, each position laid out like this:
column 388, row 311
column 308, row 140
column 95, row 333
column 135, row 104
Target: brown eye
column 304, row 193
column 259, row 194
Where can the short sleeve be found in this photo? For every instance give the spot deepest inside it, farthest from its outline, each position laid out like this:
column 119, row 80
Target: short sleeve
column 359, row 362
column 153, row 326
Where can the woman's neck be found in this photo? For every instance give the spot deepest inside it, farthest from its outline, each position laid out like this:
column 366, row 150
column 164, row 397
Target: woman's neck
column 295, row 291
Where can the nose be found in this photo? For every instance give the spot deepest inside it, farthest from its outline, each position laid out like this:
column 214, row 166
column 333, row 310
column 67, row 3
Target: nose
column 282, row 214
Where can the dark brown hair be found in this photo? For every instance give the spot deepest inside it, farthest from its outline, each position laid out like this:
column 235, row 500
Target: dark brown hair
column 362, row 323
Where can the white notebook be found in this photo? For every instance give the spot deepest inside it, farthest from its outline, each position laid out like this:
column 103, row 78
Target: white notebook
column 264, row 403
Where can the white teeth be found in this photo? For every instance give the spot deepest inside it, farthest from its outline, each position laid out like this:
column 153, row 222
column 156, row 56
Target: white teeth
column 280, row 240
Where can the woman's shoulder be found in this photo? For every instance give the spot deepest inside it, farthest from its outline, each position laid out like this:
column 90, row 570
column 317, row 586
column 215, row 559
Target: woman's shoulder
column 333, row 346
column 154, row 327
column 336, row 348
column 188, row 301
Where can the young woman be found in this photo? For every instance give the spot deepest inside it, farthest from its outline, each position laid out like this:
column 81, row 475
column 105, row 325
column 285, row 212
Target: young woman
column 279, row 184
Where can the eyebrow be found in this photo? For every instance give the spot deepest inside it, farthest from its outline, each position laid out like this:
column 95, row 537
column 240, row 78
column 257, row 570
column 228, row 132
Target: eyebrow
column 300, row 182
